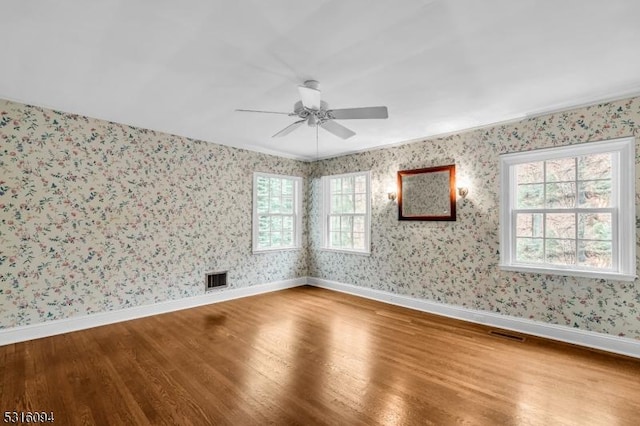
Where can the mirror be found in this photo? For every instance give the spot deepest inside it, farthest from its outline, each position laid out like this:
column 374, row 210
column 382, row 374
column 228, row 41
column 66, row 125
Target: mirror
column 427, row 194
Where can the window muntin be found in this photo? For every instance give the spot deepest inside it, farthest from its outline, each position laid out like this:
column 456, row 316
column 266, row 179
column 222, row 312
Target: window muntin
column 564, row 210
column 346, row 212
column 277, row 212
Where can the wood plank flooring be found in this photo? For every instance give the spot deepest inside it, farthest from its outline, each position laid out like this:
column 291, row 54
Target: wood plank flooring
column 311, row 356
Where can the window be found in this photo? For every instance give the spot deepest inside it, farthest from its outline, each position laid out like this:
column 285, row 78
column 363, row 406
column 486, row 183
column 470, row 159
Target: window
column 277, row 207
column 570, row 210
column 347, row 212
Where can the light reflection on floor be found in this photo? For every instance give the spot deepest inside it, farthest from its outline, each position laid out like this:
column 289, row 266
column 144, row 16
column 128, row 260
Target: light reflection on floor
column 272, row 356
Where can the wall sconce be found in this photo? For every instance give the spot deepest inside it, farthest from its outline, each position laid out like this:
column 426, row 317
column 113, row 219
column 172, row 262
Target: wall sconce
column 391, row 196
column 463, row 191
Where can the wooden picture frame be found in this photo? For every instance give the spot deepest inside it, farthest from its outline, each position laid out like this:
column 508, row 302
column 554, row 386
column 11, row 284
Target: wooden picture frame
column 427, row 194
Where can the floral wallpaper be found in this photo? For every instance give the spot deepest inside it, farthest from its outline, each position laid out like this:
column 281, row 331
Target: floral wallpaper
column 98, row 216
column 457, row 262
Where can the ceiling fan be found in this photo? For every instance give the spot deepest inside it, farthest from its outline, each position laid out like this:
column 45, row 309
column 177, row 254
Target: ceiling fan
column 315, row 112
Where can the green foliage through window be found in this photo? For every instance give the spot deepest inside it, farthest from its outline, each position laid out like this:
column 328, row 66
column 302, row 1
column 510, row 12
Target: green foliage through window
column 347, row 211
column 276, row 210
column 550, row 227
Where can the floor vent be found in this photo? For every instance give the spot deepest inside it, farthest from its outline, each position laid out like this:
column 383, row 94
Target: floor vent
column 214, row 280
column 507, row 335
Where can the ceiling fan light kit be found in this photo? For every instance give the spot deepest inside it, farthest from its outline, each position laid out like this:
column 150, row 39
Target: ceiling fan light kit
column 315, row 112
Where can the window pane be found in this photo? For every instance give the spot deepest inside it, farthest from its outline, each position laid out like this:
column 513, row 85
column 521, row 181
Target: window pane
column 560, row 225
column 361, row 184
column 595, row 193
column 334, row 238
column 287, row 223
column 361, row 203
column 561, row 252
column 275, row 186
column 529, row 173
column 262, row 186
column 263, row 224
column 262, row 204
column 275, row 205
column 346, row 224
column 561, row 195
column 276, row 223
column 336, row 204
column 336, row 185
column 287, row 187
column 358, row 240
column 347, row 204
column 561, row 170
column 287, row 238
column 530, row 196
column 529, row 225
column 596, row 254
column 348, row 185
column 595, row 226
column 358, row 223
column 276, row 239
column 287, row 205
column 334, row 223
column 346, row 239
column 529, row 250
column 263, row 240
column 595, row 166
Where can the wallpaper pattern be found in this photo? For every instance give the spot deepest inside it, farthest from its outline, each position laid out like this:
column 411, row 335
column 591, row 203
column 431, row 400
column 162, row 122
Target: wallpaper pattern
column 457, row 262
column 98, row 216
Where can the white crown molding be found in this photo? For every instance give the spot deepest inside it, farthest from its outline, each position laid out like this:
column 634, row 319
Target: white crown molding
column 67, row 325
column 590, row 339
column 571, row 104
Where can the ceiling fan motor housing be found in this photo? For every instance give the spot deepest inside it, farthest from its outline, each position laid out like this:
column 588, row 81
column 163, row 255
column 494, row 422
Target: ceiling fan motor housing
column 312, row 84
column 314, row 116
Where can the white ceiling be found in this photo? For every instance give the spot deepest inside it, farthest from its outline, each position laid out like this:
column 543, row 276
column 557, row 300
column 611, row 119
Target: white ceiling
column 183, row 67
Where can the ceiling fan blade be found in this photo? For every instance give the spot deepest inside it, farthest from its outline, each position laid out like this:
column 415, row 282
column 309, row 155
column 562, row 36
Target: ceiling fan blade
column 265, row 112
column 337, row 129
column 310, row 97
column 356, row 113
column 290, row 128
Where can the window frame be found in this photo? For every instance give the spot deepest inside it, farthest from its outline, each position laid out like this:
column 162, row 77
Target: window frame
column 326, row 214
column 297, row 213
column 623, row 206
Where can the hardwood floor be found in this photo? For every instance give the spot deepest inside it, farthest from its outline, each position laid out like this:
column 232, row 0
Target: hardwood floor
column 312, row 356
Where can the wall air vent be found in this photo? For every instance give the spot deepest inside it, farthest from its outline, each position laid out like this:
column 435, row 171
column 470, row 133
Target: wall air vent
column 215, row 280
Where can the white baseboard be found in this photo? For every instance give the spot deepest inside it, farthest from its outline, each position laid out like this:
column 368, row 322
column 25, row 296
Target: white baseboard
column 605, row 342
column 51, row 328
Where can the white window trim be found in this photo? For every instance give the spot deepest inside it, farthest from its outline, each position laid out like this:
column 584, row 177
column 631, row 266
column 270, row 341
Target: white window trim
column 297, row 211
column 624, row 193
column 325, row 215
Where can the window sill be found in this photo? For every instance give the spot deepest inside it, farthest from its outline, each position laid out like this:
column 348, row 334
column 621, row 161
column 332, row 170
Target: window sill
column 357, row 252
column 274, row 250
column 569, row 272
